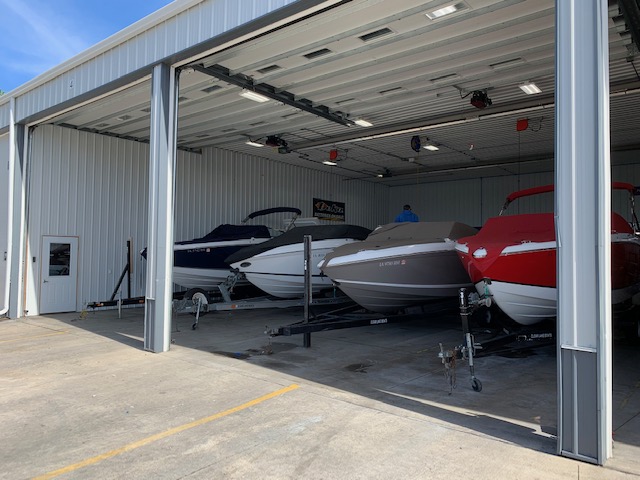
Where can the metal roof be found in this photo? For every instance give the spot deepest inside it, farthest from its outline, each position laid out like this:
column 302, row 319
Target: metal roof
column 389, row 63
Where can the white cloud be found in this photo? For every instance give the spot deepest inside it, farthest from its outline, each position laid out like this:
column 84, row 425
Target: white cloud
column 39, row 33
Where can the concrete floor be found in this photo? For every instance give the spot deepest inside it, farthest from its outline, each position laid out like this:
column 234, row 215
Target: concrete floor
column 80, row 398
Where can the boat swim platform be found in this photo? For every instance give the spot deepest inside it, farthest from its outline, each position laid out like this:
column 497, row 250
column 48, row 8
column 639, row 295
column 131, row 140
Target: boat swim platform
column 82, row 399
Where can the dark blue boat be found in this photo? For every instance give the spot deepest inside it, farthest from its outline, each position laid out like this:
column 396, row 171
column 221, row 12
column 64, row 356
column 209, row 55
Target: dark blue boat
column 200, row 263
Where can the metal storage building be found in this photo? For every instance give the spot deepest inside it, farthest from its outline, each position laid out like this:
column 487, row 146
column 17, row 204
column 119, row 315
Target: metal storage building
column 98, row 147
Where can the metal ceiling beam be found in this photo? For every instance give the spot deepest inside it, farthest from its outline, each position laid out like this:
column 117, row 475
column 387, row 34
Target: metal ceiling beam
column 282, row 96
column 541, row 103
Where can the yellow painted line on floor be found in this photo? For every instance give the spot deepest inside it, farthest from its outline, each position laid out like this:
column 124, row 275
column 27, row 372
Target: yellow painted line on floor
column 165, row 434
column 32, row 337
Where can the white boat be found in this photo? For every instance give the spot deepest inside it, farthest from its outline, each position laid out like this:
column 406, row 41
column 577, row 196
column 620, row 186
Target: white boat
column 277, row 266
column 200, row 263
column 400, row 264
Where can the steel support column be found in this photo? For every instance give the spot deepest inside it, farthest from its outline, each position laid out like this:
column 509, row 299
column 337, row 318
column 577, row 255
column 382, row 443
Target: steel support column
column 17, row 198
column 583, row 220
column 162, row 165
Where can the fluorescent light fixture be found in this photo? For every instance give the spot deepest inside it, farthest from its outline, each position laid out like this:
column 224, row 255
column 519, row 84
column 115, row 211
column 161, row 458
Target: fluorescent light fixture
column 329, row 162
column 254, row 144
column 256, row 97
column 530, row 88
column 431, row 148
column 363, row 123
column 380, row 175
column 441, row 12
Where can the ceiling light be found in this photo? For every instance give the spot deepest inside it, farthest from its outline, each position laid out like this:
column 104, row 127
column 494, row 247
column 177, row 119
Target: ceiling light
column 256, row 97
column 363, row 123
column 530, row 88
column 329, row 162
column 441, row 12
column 431, row 148
column 253, row 144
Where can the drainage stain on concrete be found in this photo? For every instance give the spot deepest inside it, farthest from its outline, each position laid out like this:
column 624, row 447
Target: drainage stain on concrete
column 237, row 355
column 358, row 367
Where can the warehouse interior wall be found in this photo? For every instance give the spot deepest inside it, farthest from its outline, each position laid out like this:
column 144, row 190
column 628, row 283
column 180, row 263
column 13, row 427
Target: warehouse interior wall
column 92, row 187
column 473, row 201
column 95, row 188
column 225, row 186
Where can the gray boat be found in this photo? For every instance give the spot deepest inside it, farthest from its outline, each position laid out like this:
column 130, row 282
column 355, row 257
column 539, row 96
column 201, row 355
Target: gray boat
column 400, row 264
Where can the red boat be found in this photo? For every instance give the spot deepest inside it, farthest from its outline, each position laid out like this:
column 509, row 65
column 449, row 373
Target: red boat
column 513, row 259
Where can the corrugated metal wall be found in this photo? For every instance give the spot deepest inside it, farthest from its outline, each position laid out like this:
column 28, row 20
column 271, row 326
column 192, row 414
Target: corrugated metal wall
column 96, row 187
column 625, row 173
column 201, row 22
column 474, row 201
column 93, row 187
column 4, row 212
column 439, row 201
column 224, row 187
column 5, row 115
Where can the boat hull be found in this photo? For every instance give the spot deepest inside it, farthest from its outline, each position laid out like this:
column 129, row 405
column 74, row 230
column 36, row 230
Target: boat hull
column 205, row 278
column 202, row 265
column 388, row 280
column 280, row 271
column 524, row 304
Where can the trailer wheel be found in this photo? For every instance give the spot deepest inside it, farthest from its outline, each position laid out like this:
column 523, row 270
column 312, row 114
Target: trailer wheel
column 476, row 385
column 195, row 295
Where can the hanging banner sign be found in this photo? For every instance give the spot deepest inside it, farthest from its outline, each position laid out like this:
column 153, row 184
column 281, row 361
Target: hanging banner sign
column 328, row 210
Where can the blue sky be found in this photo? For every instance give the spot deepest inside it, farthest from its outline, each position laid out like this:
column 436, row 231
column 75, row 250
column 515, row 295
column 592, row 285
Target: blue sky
column 36, row 35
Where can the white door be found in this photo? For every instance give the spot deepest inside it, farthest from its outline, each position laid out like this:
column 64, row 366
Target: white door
column 59, row 276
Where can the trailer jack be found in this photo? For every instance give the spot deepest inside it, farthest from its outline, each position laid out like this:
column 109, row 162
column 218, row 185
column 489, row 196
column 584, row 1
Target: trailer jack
column 467, row 350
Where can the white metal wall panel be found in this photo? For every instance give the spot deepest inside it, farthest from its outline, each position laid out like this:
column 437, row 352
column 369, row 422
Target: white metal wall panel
column 225, row 186
column 4, row 212
column 496, row 189
column 470, row 201
column 142, row 47
column 439, row 201
column 619, row 200
column 4, row 115
column 494, row 192
column 93, row 187
column 96, row 187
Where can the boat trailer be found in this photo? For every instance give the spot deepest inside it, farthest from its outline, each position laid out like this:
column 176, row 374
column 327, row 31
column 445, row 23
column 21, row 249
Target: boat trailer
column 199, row 302
column 354, row 315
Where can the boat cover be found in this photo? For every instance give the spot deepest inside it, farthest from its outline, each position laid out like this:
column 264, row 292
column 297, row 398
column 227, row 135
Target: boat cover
column 401, row 234
column 226, row 232
column 297, row 234
column 528, row 227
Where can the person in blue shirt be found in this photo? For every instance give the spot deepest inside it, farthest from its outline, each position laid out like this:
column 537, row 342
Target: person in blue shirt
column 407, row 215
